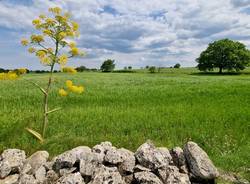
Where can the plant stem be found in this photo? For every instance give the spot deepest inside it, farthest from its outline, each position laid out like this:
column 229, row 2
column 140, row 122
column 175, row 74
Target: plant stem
column 46, row 95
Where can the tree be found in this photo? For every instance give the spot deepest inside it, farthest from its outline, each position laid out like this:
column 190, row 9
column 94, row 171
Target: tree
column 108, row 65
column 81, row 68
column 52, row 48
column 224, row 54
column 152, row 69
column 130, row 67
column 177, row 65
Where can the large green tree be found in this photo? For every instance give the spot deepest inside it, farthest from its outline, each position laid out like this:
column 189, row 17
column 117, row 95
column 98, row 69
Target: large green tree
column 224, row 54
column 108, row 65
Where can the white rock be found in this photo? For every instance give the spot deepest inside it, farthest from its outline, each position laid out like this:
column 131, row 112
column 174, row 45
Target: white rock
column 12, row 179
column 106, row 175
column 128, row 161
column 88, row 164
column 147, row 178
column 27, row 179
column 12, row 160
column 40, row 174
column 151, row 157
column 199, row 163
column 37, row 159
column 74, row 178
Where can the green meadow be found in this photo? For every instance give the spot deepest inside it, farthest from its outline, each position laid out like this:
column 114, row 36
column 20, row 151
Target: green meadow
column 127, row 109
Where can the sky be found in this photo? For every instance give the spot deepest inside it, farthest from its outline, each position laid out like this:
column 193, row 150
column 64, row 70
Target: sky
column 132, row 32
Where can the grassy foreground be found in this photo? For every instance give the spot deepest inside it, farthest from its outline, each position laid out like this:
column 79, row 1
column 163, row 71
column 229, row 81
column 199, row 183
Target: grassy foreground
column 169, row 108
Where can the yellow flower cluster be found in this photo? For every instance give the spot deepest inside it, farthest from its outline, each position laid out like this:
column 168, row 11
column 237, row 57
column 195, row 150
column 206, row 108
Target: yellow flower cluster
column 32, row 50
column 36, row 38
column 21, row 71
column 62, row 60
column 62, row 92
column 71, row 88
column 55, row 10
column 24, row 42
column 8, row 76
column 69, row 70
column 58, row 27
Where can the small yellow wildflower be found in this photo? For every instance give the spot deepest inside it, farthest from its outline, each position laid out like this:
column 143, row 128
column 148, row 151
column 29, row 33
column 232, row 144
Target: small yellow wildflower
column 41, row 53
column 46, row 61
column 42, row 16
column 50, row 21
column 62, row 60
column 11, row 75
column 62, row 35
column 69, row 83
column 36, row 22
column 74, row 51
column 72, row 44
column 24, row 42
column 21, row 71
column 70, row 33
column 55, row 10
column 69, row 70
column 32, row 50
column 62, row 92
column 75, row 26
column 47, row 32
column 37, row 38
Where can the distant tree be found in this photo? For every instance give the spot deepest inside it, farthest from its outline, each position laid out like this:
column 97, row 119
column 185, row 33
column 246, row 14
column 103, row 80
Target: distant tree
column 130, row 67
column 2, row 70
column 177, row 65
column 108, row 65
column 152, row 69
column 224, row 54
column 125, row 68
column 147, row 67
column 81, row 68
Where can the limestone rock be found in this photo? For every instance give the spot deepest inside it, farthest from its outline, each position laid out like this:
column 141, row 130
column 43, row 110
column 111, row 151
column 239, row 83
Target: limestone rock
column 101, row 150
column 128, row 161
column 179, row 159
column 66, row 171
column 199, row 163
column 12, row 179
column 5, row 169
column 40, row 174
column 113, row 156
column 65, row 160
column 80, row 152
column 37, row 159
column 171, row 175
column 104, row 175
column 151, row 157
column 27, row 179
column 128, row 179
column 12, row 160
column 89, row 164
column 147, row 178
column 51, row 177
column 139, row 168
column 74, row 178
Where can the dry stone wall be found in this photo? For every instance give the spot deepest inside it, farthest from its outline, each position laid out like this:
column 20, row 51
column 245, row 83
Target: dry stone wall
column 106, row 164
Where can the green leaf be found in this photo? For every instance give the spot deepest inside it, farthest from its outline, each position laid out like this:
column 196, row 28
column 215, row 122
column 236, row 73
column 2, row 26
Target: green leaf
column 35, row 134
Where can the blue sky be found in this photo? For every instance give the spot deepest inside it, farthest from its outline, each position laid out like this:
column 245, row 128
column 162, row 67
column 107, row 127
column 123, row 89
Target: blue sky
column 133, row 32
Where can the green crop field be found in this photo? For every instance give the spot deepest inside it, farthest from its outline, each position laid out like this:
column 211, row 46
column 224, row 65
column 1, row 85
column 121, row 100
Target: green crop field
column 169, row 108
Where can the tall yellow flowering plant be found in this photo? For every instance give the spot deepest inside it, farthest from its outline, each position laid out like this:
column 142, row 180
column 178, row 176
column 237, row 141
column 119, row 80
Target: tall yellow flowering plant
column 52, row 47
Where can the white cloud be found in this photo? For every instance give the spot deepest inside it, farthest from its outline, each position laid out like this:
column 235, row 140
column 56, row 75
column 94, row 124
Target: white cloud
column 137, row 32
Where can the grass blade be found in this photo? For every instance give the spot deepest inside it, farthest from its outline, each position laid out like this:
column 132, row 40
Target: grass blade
column 35, row 134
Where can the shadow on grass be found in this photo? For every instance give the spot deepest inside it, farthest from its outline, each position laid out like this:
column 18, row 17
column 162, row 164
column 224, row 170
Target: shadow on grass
column 219, row 74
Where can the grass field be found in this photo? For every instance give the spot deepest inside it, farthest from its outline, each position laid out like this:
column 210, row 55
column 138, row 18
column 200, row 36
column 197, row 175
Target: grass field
column 169, row 108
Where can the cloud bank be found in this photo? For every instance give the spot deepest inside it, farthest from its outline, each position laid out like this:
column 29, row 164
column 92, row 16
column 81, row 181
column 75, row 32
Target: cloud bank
column 133, row 32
